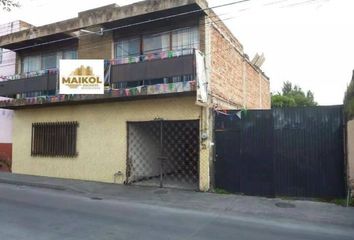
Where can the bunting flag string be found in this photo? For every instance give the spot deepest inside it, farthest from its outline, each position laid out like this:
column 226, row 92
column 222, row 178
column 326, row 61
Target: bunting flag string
column 238, row 113
column 162, row 88
column 150, row 56
column 124, row 60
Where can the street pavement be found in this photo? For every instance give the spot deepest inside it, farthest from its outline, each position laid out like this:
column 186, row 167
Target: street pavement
column 29, row 212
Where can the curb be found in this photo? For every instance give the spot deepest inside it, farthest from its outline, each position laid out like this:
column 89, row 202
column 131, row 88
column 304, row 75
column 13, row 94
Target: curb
column 30, row 184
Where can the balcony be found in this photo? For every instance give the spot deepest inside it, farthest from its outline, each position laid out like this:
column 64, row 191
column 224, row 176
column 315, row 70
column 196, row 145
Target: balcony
column 158, row 75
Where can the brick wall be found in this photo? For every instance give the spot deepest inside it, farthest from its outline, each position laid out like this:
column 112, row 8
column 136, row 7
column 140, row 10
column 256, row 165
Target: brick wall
column 234, row 81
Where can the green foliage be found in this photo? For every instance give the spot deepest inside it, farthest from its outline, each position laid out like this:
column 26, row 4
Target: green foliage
column 343, row 202
column 8, row 5
column 221, row 191
column 279, row 100
column 349, row 100
column 293, row 96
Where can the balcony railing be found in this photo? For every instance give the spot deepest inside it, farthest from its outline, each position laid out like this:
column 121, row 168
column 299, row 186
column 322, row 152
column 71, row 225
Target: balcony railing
column 170, row 73
column 43, row 81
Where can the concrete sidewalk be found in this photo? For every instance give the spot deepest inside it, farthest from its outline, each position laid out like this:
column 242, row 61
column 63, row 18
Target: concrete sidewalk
column 227, row 204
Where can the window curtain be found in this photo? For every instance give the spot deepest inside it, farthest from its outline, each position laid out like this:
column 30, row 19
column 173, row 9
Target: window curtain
column 49, row 61
column 70, row 54
column 185, row 40
column 31, row 64
column 156, row 43
column 46, row 60
column 127, row 48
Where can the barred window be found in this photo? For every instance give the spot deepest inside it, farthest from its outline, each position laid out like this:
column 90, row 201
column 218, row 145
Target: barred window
column 54, row 139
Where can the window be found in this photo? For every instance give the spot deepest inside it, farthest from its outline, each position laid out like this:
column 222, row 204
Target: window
column 156, row 43
column 49, row 61
column 31, row 64
column 127, row 47
column 45, row 61
column 54, row 139
column 70, row 54
column 185, row 39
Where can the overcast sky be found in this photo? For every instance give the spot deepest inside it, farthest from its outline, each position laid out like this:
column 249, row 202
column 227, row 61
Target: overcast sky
column 307, row 42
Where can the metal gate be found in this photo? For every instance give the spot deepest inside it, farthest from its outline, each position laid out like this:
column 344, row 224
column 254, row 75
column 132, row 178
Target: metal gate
column 281, row 152
column 163, row 153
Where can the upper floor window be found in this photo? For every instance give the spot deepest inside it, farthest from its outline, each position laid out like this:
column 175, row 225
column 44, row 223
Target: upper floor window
column 49, row 61
column 70, row 54
column 31, row 64
column 156, row 43
column 185, row 39
column 45, row 61
column 127, row 47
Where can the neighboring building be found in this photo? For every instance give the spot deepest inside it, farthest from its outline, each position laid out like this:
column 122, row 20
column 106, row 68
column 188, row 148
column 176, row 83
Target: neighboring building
column 7, row 69
column 5, row 140
column 349, row 113
column 154, row 123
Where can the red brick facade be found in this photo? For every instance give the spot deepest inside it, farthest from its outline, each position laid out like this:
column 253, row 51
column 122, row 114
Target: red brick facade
column 234, row 80
column 5, row 157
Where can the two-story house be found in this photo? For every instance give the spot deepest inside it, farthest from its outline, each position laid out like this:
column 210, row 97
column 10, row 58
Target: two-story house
column 7, row 69
column 168, row 65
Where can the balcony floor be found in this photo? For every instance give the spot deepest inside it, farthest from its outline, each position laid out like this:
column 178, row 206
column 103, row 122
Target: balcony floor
column 138, row 93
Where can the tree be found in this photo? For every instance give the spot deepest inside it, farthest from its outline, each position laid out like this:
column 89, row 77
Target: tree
column 8, row 5
column 293, row 96
column 349, row 100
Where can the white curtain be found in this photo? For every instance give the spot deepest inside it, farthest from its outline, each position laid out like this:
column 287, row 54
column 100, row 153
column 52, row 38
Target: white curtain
column 31, row 64
column 185, row 40
column 156, row 43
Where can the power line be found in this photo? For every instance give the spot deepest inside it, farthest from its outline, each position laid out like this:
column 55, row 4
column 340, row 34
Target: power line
column 90, row 44
column 170, row 16
column 136, row 24
column 166, row 17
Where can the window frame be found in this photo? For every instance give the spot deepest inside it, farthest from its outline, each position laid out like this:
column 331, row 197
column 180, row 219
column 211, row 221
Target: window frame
column 171, row 34
column 54, row 139
column 124, row 41
column 59, row 55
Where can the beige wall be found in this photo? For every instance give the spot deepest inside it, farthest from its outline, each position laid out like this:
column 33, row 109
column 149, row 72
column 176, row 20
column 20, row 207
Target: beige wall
column 102, row 137
column 350, row 133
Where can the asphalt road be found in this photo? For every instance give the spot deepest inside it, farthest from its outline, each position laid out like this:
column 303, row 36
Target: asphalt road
column 33, row 213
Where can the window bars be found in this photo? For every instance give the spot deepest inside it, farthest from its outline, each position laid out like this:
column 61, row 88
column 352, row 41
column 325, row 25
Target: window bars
column 54, row 139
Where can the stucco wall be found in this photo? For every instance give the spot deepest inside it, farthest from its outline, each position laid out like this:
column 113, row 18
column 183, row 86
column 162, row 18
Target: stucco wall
column 350, row 134
column 6, row 125
column 102, row 137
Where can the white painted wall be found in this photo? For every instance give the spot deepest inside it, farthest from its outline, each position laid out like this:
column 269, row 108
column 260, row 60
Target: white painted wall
column 7, row 67
column 6, row 117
